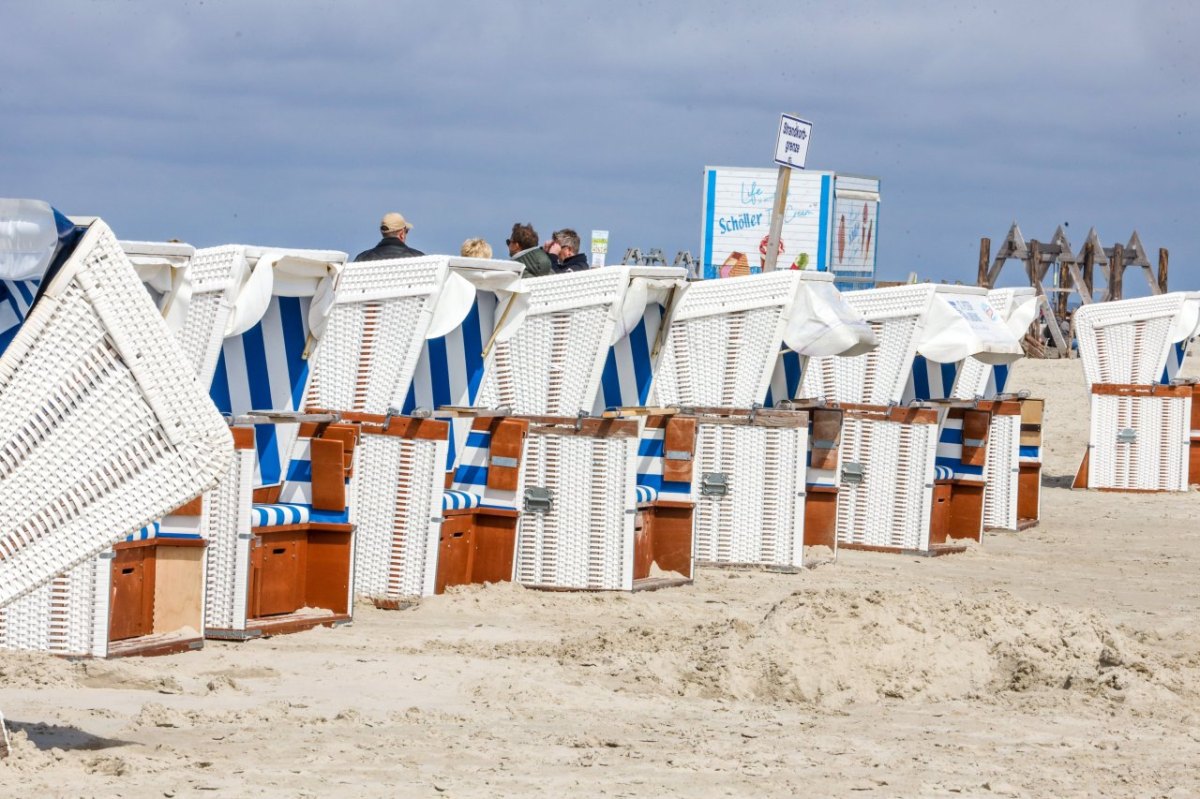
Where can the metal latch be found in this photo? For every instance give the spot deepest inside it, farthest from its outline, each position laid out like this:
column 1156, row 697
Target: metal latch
column 973, row 442
column 501, row 462
column 678, row 455
column 1127, row 436
column 714, row 484
column 538, row 499
column 853, row 473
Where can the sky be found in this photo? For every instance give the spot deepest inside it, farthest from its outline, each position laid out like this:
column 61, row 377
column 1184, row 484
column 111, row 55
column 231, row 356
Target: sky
column 300, row 123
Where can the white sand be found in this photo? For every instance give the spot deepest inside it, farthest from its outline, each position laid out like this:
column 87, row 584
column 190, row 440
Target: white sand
column 1062, row 661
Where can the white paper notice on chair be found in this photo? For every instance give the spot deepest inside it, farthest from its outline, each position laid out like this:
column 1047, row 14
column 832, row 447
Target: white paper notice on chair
column 964, row 325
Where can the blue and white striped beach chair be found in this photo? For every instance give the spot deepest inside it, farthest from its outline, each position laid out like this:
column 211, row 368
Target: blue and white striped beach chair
column 106, row 430
column 732, row 345
column 888, row 452
column 1141, row 436
column 337, row 339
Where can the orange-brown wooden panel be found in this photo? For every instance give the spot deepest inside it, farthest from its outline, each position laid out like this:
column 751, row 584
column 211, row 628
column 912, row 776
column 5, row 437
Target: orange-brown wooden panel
column 328, row 474
column 670, row 533
column 966, row 511
column 504, row 453
column 277, row 564
column 974, row 437
column 327, row 570
column 495, row 539
column 820, row 517
column 131, row 604
column 454, row 551
column 825, row 436
column 1029, row 485
column 679, row 447
column 939, row 517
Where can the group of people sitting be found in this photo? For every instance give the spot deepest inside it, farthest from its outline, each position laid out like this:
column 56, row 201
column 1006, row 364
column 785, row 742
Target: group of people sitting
column 559, row 254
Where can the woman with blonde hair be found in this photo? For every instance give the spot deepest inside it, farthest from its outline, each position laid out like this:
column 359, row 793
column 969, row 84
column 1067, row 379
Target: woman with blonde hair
column 476, row 248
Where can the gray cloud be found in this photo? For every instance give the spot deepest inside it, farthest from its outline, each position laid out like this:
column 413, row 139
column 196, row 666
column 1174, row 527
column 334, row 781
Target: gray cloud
column 300, row 123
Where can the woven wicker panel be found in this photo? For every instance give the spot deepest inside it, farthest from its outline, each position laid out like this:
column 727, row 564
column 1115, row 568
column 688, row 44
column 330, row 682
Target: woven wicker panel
column 1156, row 460
column 106, row 427
column 761, row 520
column 227, row 515
column 720, row 359
column 395, row 504
column 1126, row 341
column 891, row 506
column 586, row 539
column 1002, row 472
column 212, row 273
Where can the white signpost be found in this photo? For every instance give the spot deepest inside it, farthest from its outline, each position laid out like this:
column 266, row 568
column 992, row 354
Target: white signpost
column 599, row 247
column 791, row 151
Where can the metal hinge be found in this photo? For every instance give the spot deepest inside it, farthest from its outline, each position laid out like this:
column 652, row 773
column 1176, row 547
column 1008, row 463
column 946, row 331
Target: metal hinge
column 853, row 473
column 538, row 499
column 714, row 484
column 1127, row 436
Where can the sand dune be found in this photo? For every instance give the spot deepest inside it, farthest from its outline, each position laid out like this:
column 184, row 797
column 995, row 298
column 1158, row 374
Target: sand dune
column 1062, row 661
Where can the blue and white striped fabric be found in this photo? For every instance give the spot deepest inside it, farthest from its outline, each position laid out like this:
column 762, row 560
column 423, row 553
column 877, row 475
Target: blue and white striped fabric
column 785, row 380
column 265, row 369
column 999, row 380
column 279, row 514
column 1030, row 454
column 646, row 494
column 949, row 451
column 943, row 473
column 151, row 530
column 1175, row 355
column 650, row 468
column 471, row 473
column 629, row 367
column 930, row 380
column 16, row 298
column 460, row 500
column 451, row 370
column 817, row 477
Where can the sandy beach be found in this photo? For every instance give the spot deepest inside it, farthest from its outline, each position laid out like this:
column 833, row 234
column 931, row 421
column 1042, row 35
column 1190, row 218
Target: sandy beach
column 1060, row 661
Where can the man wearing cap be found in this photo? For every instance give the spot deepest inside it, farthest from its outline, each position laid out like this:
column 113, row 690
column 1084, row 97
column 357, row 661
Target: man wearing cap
column 394, row 228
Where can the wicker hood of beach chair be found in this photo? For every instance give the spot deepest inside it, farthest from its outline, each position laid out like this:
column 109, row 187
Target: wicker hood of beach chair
column 105, row 426
column 1143, row 435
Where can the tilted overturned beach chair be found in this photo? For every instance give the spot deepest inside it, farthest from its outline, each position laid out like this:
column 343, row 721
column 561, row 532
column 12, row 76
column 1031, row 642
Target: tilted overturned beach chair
column 1143, row 436
column 312, row 343
column 106, row 431
column 454, row 521
column 588, row 343
column 732, row 346
column 1013, row 471
column 912, row 474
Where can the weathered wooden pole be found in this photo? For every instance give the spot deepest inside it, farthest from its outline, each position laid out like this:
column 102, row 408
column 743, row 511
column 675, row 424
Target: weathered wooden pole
column 1089, row 266
column 781, row 193
column 985, row 260
column 1116, row 274
column 1162, row 269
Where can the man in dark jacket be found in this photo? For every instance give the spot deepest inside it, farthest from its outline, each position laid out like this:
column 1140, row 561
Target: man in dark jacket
column 523, row 246
column 570, row 259
column 394, row 228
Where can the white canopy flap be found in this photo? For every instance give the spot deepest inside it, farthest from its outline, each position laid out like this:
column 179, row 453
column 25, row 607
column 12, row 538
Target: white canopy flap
column 454, row 301
column 640, row 293
column 298, row 276
column 1022, row 313
column 322, row 303
column 821, row 323
column 28, row 238
column 515, row 307
column 1187, row 322
column 253, row 297
column 962, row 325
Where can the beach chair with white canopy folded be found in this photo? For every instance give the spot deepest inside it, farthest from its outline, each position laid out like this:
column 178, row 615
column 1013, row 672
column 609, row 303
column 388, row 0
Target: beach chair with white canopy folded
column 106, row 429
column 912, row 475
column 588, row 344
column 311, row 340
column 731, row 346
column 460, row 516
column 1143, row 436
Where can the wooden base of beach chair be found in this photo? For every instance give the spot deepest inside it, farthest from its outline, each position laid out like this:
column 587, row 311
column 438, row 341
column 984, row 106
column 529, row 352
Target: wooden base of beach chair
column 820, row 517
column 299, row 579
column 1140, row 440
column 662, row 538
column 932, row 552
column 476, row 546
column 1029, row 491
column 957, row 511
column 156, row 597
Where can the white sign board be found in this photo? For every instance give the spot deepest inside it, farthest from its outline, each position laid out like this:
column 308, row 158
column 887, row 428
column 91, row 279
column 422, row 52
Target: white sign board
column 791, row 146
column 599, row 247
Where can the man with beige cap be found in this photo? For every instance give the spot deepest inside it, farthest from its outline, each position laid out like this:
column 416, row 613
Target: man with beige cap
column 394, row 228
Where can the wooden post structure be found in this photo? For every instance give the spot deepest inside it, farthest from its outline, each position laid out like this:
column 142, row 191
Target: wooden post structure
column 781, row 191
column 1089, row 270
column 1162, row 269
column 1116, row 273
column 985, row 260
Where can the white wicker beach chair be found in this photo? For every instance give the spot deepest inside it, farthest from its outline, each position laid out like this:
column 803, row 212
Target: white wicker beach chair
column 478, row 306
column 588, row 343
column 913, row 477
column 322, row 343
column 1142, row 431
column 107, row 429
column 731, row 346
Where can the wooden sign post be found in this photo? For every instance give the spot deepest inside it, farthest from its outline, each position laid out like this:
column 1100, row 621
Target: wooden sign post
column 791, row 151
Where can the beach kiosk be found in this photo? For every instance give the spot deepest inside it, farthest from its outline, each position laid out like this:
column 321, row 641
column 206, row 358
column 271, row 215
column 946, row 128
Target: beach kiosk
column 1142, row 435
column 106, row 430
column 912, row 465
